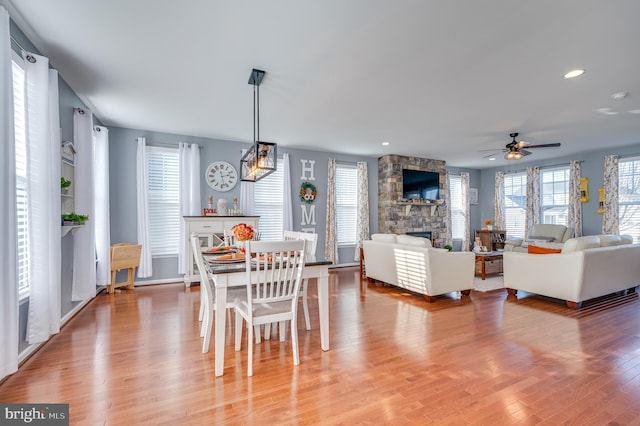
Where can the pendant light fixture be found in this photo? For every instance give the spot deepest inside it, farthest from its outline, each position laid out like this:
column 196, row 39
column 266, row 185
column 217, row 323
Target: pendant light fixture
column 261, row 159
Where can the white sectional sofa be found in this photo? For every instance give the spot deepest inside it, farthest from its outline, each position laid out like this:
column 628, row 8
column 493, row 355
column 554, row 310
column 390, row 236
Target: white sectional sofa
column 410, row 262
column 587, row 267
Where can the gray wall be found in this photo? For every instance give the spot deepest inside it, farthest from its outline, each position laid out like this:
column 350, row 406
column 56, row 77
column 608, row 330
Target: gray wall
column 592, row 167
column 122, row 158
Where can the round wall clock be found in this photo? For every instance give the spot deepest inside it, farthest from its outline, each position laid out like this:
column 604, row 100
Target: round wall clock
column 221, row 176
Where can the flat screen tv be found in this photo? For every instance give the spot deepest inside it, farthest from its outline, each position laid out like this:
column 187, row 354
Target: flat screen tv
column 420, row 184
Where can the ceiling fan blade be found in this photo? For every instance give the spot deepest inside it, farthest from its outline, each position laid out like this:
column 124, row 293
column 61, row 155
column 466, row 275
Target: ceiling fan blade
column 544, row 145
column 493, row 150
column 525, row 152
column 490, row 155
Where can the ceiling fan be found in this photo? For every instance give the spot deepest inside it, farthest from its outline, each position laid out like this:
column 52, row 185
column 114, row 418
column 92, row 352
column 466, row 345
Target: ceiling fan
column 515, row 150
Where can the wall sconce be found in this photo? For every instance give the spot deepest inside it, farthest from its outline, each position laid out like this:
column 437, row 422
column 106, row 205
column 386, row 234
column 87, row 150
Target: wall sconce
column 262, row 158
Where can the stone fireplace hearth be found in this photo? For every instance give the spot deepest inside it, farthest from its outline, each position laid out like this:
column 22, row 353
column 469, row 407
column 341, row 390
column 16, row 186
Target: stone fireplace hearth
column 402, row 219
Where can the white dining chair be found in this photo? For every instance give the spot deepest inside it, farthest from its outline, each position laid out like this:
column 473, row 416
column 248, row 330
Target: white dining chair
column 207, row 295
column 274, row 275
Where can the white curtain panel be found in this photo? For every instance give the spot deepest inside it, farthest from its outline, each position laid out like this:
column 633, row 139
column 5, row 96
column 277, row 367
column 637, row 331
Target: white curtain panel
column 102, row 216
column 287, row 204
column 84, row 253
column 362, row 224
column 8, row 254
column 43, row 189
column 145, row 269
column 190, row 205
column 575, row 206
column 610, row 220
column 499, row 219
column 448, row 235
column 331, row 236
column 532, row 212
column 247, row 197
column 464, row 180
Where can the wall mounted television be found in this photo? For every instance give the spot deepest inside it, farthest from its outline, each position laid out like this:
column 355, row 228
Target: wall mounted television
column 420, row 184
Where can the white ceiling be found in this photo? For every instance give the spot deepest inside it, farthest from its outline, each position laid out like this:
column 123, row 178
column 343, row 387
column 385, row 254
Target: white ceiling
column 437, row 79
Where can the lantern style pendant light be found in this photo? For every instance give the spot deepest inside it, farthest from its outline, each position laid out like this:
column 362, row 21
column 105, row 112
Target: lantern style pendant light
column 262, row 158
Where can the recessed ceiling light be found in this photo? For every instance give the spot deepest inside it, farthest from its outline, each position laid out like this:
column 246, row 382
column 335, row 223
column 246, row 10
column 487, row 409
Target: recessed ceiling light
column 492, row 158
column 634, row 111
column 618, row 96
column 574, row 73
column 607, row 111
column 385, row 143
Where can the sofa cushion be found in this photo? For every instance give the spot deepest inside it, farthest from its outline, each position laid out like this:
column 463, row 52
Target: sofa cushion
column 410, row 240
column 384, row 238
column 542, row 250
column 581, row 243
column 610, row 240
column 626, row 239
column 548, row 230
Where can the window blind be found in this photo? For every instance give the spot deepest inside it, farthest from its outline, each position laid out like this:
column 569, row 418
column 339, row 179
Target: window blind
column 22, row 194
column 515, row 194
column 164, row 202
column 457, row 209
column 629, row 197
column 269, row 204
column 346, row 203
column 554, row 195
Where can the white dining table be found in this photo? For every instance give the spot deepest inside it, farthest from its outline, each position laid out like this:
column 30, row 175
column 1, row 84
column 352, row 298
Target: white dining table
column 234, row 275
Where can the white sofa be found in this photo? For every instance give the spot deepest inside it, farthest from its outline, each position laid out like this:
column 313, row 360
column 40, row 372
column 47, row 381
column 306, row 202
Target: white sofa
column 588, row 267
column 410, row 262
column 546, row 234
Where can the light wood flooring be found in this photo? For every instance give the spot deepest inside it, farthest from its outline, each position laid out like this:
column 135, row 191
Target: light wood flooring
column 134, row 358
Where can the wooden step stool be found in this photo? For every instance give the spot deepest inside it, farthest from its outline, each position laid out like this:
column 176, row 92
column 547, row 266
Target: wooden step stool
column 124, row 256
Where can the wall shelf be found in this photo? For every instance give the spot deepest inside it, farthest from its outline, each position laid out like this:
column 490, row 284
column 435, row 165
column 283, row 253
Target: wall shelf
column 407, row 206
column 69, row 228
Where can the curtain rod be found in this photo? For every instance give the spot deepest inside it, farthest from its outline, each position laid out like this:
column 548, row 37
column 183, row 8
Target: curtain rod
column 544, row 167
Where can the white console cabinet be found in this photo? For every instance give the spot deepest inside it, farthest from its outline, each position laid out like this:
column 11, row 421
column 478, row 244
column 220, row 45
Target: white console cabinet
column 210, row 230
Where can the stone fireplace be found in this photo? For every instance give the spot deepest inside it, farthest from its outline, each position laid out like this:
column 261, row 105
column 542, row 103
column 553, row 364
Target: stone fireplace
column 404, row 219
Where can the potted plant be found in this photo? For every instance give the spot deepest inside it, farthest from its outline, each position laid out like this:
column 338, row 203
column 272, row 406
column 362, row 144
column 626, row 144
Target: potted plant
column 488, row 222
column 74, row 219
column 448, row 247
column 64, row 185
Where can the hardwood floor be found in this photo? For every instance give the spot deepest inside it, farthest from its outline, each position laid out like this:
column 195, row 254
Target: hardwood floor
column 134, row 357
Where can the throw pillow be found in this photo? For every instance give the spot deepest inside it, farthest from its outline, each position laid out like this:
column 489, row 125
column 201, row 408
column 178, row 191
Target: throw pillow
column 542, row 250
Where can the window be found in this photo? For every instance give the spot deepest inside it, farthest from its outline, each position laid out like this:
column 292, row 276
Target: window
column 19, row 105
column 457, row 209
column 346, row 203
column 269, row 204
column 164, row 201
column 554, row 196
column 515, row 194
column 629, row 197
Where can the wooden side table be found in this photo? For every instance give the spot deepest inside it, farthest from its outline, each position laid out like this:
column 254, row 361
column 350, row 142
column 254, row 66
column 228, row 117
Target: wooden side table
column 363, row 273
column 488, row 263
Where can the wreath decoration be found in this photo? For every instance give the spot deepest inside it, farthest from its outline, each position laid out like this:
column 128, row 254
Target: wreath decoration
column 308, row 192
